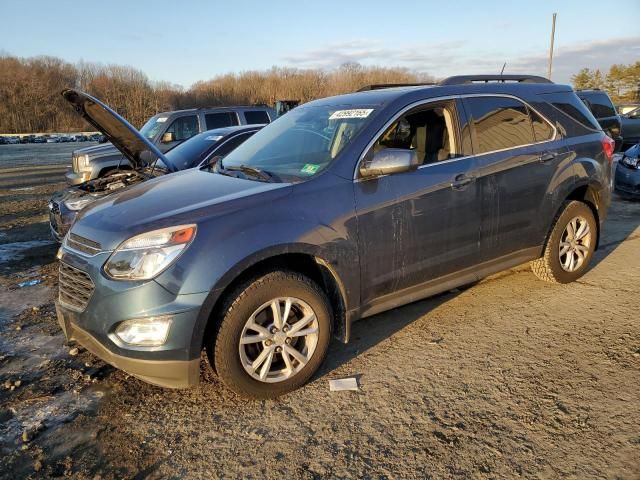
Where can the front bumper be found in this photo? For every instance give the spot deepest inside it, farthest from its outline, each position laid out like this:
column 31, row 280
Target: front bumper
column 627, row 181
column 74, row 178
column 106, row 303
column 164, row 373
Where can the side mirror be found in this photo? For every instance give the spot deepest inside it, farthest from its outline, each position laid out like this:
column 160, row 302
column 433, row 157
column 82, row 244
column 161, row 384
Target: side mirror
column 389, row 160
column 211, row 162
column 168, row 137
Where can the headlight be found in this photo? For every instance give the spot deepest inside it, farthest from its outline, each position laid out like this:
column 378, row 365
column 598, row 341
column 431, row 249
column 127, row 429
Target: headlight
column 146, row 332
column 144, row 256
column 632, row 162
column 82, row 162
column 78, row 203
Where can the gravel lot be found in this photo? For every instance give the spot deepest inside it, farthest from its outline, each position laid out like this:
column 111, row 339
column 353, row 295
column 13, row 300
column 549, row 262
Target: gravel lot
column 510, row 378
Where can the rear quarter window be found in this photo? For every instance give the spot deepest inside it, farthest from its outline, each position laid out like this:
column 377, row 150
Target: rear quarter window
column 601, row 105
column 569, row 105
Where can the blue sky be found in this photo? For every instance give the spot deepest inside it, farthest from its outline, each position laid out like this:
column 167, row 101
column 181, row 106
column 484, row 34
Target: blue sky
column 185, row 41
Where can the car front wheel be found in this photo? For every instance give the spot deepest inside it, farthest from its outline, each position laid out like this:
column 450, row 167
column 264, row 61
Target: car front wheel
column 274, row 335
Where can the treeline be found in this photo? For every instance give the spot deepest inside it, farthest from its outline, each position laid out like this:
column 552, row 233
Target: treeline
column 30, row 89
column 621, row 82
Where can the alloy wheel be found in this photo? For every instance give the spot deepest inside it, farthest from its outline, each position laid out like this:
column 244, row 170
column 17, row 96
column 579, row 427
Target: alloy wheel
column 575, row 244
column 278, row 339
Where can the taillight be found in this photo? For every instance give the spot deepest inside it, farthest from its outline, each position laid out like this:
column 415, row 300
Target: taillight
column 608, row 146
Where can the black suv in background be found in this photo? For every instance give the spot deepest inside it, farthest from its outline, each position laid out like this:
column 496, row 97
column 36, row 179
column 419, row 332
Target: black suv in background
column 602, row 108
column 343, row 208
column 165, row 130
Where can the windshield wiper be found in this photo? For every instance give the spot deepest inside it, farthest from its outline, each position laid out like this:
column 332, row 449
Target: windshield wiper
column 247, row 170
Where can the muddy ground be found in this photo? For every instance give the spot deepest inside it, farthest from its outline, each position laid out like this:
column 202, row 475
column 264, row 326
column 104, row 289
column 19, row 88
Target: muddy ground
column 513, row 377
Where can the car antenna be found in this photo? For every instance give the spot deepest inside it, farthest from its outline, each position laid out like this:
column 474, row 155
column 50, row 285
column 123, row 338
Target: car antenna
column 502, row 71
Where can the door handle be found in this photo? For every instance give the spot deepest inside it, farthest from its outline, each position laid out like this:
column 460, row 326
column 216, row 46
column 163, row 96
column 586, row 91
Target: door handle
column 461, row 181
column 548, row 156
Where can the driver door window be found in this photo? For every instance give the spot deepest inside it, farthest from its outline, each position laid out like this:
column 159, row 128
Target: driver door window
column 184, row 128
column 429, row 132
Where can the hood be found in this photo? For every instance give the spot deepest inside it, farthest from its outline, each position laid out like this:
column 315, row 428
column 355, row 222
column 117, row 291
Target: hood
column 189, row 196
column 133, row 145
column 97, row 150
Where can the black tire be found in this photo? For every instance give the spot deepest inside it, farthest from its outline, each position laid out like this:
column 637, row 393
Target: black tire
column 549, row 267
column 223, row 350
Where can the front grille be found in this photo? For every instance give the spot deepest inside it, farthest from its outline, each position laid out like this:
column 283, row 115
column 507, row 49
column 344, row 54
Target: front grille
column 75, row 287
column 74, row 163
column 84, row 245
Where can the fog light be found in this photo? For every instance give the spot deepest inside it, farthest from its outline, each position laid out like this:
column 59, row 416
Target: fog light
column 144, row 332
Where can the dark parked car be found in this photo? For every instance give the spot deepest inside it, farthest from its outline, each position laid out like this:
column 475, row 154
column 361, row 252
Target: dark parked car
column 165, row 130
column 627, row 178
column 631, row 127
column 342, row 208
column 39, row 139
column 602, row 108
column 204, row 148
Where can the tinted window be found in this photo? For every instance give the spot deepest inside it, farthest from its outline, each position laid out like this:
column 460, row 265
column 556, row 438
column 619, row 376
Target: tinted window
column 498, row 123
column 184, row 128
column 600, row 105
column 232, row 144
column 221, row 119
column 569, row 104
column 257, row 116
column 193, row 151
column 541, row 129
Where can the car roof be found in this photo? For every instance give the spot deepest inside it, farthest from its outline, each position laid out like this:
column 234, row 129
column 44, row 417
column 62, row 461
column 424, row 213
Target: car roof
column 224, row 131
column 386, row 96
column 214, row 109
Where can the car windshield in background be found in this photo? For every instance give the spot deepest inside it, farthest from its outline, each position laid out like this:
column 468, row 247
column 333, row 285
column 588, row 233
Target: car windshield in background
column 153, row 126
column 191, row 152
column 298, row 145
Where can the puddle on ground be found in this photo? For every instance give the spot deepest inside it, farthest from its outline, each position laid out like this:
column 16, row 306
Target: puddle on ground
column 13, row 302
column 18, row 250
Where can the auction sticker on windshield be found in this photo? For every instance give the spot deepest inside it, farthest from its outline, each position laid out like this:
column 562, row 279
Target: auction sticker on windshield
column 161, row 119
column 353, row 113
column 310, row 168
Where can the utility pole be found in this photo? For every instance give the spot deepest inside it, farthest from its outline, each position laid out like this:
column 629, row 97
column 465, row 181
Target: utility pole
column 553, row 34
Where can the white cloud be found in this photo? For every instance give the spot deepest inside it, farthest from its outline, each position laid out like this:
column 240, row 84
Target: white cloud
column 457, row 57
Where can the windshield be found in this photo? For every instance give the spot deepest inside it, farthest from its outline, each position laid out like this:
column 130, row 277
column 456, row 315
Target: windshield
column 191, row 152
column 153, row 126
column 301, row 143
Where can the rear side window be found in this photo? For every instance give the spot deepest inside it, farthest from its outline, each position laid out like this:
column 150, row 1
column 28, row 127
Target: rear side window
column 569, row 104
column 542, row 131
column 233, row 143
column 498, row 123
column 221, row 119
column 600, row 105
column 256, row 116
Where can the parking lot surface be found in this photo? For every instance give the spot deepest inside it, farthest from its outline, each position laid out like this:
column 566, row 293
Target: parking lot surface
column 512, row 377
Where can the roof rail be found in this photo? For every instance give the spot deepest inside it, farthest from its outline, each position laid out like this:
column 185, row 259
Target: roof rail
column 380, row 86
column 462, row 79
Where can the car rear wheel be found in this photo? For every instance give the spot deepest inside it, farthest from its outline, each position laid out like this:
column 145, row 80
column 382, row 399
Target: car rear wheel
column 570, row 245
column 274, row 335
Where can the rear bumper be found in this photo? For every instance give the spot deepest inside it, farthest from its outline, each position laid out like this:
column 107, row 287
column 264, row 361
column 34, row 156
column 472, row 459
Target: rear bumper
column 164, row 373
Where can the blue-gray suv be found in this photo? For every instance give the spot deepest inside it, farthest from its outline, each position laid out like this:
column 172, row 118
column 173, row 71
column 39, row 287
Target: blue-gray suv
column 342, row 208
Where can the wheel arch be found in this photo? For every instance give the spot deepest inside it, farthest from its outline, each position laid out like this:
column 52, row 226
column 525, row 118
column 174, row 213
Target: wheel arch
column 584, row 192
column 307, row 263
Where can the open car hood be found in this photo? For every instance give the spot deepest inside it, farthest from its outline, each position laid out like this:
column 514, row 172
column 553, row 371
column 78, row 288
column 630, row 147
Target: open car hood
column 133, row 145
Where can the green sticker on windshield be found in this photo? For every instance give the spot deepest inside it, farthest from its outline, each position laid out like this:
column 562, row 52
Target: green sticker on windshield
column 310, row 168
